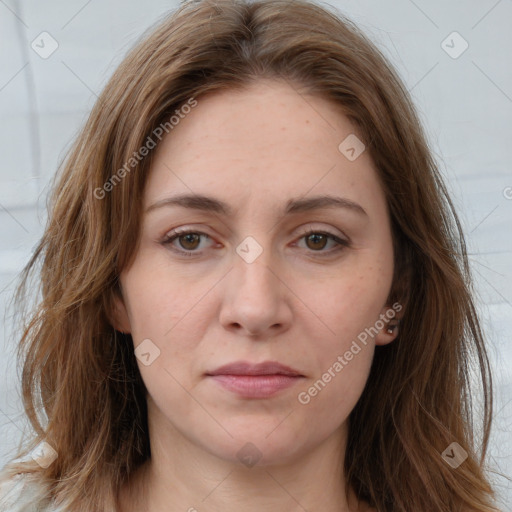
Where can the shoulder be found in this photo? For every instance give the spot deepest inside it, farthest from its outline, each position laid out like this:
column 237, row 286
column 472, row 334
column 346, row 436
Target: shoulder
column 24, row 493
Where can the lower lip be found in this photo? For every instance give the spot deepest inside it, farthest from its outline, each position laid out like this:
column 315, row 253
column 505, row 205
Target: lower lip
column 255, row 386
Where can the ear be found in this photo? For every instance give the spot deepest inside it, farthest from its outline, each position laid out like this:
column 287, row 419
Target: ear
column 118, row 315
column 389, row 320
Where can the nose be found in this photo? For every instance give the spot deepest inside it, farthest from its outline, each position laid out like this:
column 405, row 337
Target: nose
column 256, row 298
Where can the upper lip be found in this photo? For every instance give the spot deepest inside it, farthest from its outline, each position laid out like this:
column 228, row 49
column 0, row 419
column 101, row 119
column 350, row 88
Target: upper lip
column 264, row 368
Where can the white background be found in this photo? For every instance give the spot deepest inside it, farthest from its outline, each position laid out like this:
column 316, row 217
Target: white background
column 465, row 104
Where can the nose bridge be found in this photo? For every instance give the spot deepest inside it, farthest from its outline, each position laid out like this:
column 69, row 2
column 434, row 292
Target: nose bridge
column 254, row 298
column 252, row 264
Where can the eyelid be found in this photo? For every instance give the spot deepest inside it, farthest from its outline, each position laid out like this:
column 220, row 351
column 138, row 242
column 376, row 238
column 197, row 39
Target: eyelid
column 304, row 230
column 315, row 229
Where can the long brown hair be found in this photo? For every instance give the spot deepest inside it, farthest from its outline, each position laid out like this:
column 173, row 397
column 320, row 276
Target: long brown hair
column 81, row 387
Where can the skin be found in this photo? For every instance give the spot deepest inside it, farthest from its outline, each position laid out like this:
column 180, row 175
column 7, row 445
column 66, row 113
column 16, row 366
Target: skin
column 255, row 149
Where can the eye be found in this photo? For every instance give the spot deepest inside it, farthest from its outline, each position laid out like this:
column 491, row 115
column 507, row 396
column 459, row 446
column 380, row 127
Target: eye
column 189, row 241
column 318, row 240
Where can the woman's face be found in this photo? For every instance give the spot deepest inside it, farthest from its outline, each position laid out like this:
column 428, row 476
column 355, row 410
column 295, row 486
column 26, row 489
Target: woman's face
column 248, row 284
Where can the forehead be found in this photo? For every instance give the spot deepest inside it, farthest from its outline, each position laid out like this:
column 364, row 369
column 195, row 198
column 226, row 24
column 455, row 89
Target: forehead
column 266, row 141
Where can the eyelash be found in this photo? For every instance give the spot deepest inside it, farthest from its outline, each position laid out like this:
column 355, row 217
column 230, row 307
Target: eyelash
column 168, row 239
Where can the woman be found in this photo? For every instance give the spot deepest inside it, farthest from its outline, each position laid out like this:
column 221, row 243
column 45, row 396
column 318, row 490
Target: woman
column 255, row 290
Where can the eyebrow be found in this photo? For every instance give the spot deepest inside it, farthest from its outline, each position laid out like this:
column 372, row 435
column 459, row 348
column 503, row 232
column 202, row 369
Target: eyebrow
column 211, row 204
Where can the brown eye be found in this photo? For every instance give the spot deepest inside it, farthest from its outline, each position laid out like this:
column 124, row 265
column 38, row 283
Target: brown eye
column 316, row 241
column 191, row 241
column 185, row 242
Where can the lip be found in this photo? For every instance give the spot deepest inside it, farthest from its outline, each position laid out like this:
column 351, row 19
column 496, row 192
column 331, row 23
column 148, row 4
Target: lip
column 264, row 368
column 260, row 380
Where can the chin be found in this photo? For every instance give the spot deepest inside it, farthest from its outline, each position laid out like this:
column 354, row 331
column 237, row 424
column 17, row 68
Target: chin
column 264, row 443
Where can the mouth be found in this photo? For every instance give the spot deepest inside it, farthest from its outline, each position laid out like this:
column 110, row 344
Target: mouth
column 261, row 380
column 251, row 369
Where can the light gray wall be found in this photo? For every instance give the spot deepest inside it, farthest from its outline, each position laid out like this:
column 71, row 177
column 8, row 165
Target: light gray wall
column 465, row 103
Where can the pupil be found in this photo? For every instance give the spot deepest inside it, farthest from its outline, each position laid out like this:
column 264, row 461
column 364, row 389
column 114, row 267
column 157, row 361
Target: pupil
column 317, row 236
column 188, row 239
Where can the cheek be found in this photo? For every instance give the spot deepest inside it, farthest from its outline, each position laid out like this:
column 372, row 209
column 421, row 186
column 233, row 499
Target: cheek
column 172, row 311
column 332, row 393
column 158, row 299
column 342, row 360
column 349, row 307
column 347, row 303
